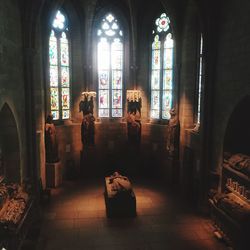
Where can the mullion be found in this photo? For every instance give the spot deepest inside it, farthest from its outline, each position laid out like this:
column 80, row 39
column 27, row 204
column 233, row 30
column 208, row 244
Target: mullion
column 161, row 76
column 59, row 76
column 110, row 81
column 116, row 71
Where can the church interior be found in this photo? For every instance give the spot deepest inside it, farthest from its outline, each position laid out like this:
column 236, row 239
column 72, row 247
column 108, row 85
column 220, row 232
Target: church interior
column 124, row 124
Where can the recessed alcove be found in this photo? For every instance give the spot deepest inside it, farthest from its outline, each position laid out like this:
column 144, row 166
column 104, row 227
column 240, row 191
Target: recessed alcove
column 9, row 144
column 237, row 135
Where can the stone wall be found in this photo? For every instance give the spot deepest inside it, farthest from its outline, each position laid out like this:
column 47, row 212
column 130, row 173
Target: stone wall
column 112, row 151
column 12, row 87
column 232, row 80
column 111, row 147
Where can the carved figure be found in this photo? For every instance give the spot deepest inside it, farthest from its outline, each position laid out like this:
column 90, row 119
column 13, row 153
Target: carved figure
column 51, row 145
column 86, row 105
column 88, row 121
column 134, row 127
column 119, row 183
column 134, row 120
column 173, row 134
column 88, row 129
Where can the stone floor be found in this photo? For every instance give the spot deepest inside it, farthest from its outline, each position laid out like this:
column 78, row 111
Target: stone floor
column 76, row 219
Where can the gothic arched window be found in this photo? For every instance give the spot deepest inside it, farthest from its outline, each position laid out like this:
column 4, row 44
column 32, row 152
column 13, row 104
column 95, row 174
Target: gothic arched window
column 199, row 80
column 161, row 69
column 110, row 67
column 59, row 68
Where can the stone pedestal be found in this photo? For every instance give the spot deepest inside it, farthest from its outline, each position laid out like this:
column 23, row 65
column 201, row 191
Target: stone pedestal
column 53, row 174
column 172, row 171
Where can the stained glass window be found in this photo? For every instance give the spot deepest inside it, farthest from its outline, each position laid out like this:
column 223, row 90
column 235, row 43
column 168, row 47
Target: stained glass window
column 110, row 67
column 161, row 69
column 59, row 71
column 199, row 82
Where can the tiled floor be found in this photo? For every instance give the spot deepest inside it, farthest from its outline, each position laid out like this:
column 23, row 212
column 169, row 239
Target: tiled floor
column 75, row 219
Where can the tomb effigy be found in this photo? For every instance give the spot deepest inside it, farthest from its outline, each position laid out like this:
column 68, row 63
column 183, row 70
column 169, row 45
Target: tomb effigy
column 119, row 196
column 17, row 211
column 230, row 207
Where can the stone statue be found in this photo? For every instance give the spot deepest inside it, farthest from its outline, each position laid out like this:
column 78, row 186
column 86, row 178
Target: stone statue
column 173, row 134
column 134, row 128
column 51, row 145
column 88, row 121
column 86, row 105
column 134, row 121
column 88, row 129
column 119, row 183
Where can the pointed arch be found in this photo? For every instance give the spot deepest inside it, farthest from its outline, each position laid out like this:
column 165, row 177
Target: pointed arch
column 199, row 79
column 10, row 166
column 237, row 133
column 161, row 83
column 59, row 67
column 110, row 64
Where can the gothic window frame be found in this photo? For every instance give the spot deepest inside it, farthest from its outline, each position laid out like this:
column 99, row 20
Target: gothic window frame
column 61, row 31
column 100, row 34
column 199, row 80
column 163, row 29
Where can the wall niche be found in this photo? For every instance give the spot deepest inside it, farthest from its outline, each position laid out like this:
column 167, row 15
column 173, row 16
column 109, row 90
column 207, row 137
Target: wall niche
column 237, row 136
column 9, row 146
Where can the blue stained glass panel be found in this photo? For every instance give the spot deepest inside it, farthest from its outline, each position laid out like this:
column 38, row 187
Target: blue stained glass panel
column 166, row 104
column 166, row 100
column 116, row 79
column 65, row 76
column 167, row 79
column 155, row 99
column 65, row 114
column 53, row 76
column 156, row 62
column 155, row 79
column 55, row 114
column 103, row 79
column 116, row 54
column 53, row 49
column 166, row 114
column 156, row 44
column 169, row 43
column 54, row 98
column 65, row 98
column 168, row 58
column 155, row 113
column 116, row 112
column 103, row 112
column 103, row 99
column 116, row 99
column 64, row 50
column 103, row 55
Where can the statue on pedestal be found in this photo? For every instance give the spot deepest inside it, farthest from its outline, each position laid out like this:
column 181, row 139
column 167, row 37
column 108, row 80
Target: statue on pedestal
column 51, row 146
column 173, row 134
column 86, row 106
column 134, row 116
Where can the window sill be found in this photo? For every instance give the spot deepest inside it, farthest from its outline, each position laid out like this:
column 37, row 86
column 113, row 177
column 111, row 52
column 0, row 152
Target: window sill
column 66, row 123
column 157, row 122
column 108, row 119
